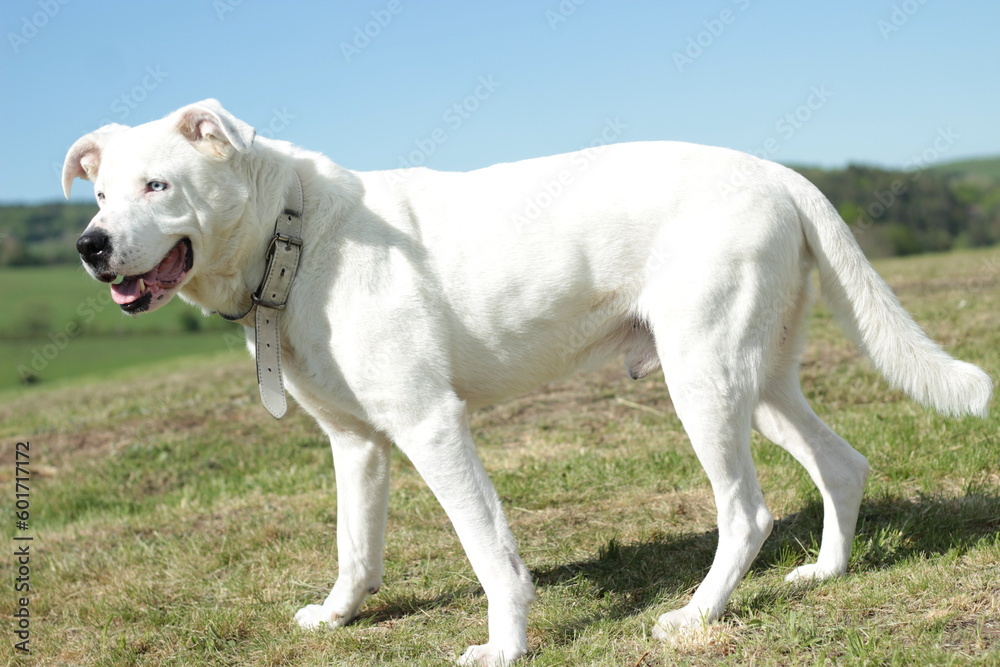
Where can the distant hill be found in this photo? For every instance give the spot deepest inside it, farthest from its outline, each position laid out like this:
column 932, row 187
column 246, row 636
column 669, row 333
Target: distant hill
column 897, row 213
column 42, row 234
column 951, row 205
column 986, row 169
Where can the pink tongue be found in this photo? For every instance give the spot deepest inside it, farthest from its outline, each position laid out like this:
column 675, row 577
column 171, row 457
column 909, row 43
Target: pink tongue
column 171, row 270
column 126, row 291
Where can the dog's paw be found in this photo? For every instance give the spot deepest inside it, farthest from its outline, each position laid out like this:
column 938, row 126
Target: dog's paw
column 315, row 616
column 486, row 655
column 668, row 624
column 812, row 572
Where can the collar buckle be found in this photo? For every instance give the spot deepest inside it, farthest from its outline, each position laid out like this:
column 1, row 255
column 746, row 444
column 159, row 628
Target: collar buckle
column 278, row 237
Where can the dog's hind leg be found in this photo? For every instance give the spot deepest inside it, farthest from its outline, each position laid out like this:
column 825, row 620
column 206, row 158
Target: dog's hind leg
column 714, row 395
column 785, row 418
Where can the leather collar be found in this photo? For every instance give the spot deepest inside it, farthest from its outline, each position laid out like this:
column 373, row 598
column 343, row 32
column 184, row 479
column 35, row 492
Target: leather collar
column 266, row 303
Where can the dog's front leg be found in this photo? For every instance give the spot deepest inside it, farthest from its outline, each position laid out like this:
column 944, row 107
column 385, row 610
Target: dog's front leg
column 362, row 470
column 442, row 451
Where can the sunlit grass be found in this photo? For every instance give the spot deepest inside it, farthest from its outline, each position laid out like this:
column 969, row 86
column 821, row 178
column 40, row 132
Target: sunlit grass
column 176, row 523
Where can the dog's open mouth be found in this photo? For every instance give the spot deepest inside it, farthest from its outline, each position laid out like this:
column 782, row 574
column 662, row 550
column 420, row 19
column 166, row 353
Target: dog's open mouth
column 135, row 294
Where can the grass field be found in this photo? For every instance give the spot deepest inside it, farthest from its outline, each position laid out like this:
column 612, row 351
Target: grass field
column 63, row 324
column 176, row 523
column 49, row 299
column 96, row 356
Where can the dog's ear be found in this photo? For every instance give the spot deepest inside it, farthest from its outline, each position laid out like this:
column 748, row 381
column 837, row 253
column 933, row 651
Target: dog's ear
column 213, row 130
column 84, row 156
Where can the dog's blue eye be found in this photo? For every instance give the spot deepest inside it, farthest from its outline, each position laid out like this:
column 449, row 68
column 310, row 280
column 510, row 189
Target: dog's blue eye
column 157, row 186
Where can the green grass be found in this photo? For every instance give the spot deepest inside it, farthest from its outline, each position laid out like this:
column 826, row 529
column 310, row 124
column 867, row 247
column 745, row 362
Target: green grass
column 61, row 324
column 176, row 523
column 45, row 361
column 42, row 300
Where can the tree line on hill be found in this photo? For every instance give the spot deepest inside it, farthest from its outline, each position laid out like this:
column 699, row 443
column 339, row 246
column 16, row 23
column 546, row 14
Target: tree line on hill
column 42, row 235
column 893, row 213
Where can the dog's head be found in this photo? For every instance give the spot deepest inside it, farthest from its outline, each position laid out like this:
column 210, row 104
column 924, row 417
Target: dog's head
column 167, row 190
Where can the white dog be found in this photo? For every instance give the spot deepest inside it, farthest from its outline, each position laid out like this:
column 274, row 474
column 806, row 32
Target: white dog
column 421, row 295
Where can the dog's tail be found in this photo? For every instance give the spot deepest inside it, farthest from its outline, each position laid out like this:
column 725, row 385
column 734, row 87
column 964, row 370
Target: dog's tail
column 872, row 316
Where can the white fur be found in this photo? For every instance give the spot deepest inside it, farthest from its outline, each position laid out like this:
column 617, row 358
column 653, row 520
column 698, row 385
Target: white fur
column 423, row 295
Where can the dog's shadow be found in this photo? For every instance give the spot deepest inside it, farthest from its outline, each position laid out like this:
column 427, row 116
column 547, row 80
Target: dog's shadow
column 640, row 578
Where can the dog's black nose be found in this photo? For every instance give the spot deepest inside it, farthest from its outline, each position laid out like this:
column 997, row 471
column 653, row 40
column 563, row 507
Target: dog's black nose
column 93, row 246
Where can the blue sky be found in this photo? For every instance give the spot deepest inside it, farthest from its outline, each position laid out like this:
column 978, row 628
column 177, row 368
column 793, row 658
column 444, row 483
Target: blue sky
column 451, row 85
